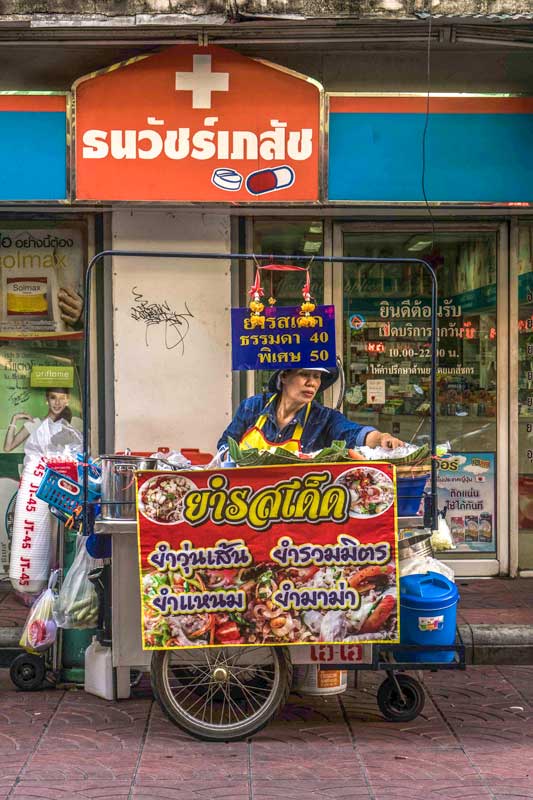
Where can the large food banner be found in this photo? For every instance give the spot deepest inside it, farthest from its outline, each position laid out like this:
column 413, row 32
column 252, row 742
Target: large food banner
column 268, row 555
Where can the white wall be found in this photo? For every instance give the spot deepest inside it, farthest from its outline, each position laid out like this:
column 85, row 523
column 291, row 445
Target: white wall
column 168, row 394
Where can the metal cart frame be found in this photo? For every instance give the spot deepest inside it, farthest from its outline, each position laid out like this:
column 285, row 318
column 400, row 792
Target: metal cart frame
column 400, row 697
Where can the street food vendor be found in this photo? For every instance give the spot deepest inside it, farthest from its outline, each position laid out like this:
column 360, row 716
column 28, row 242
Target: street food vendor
column 288, row 416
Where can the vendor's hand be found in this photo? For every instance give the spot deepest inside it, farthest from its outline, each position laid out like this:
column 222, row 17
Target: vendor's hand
column 385, row 440
column 389, row 442
column 70, row 305
column 21, row 415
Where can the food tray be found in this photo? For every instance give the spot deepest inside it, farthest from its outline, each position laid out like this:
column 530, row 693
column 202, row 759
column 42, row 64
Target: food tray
column 62, row 494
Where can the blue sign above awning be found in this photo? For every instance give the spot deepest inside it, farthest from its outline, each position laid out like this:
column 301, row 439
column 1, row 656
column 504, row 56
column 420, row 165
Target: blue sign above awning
column 477, row 149
column 282, row 342
column 33, row 142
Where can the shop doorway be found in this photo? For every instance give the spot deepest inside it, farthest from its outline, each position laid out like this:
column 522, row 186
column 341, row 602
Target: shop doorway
column 383, row 334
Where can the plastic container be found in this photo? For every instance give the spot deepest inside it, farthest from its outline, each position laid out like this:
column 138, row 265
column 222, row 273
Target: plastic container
column 310, row 679
column 99, row 670
column 409, row 493
column 428, row 613
column 62, row 494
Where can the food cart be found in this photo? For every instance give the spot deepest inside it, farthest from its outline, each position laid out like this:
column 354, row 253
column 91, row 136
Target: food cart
column 228, row 686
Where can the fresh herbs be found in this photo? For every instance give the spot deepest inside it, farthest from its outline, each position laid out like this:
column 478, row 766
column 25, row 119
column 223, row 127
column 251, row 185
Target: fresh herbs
column 337, row 452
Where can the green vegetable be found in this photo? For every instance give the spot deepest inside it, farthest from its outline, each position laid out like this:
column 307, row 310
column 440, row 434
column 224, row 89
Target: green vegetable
column 336, row 452
column 239, row 619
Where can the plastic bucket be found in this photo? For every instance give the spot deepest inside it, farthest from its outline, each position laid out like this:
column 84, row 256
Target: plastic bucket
column 428, row 613
column 310, row 679
column 409, row 492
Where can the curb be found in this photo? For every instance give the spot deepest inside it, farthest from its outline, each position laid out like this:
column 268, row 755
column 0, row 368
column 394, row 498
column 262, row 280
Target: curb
column 510, row 645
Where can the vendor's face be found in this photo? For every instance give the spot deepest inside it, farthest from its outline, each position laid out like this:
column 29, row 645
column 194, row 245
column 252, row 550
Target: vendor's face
column 57, row 401
column 300, row 385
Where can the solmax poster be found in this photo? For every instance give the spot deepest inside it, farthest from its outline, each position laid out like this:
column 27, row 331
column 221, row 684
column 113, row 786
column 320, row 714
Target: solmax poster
column 268, row 555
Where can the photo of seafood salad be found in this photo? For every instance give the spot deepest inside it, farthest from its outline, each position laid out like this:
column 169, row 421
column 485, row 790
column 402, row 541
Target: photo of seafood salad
column 161, row 497
column 371, row 491
column 264, row 622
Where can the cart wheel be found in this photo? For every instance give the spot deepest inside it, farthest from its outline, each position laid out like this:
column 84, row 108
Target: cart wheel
column 226, row 694
column 27, row 672
column 402, row 707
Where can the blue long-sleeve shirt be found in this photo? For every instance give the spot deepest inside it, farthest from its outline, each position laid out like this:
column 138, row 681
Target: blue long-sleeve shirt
column 323, row 426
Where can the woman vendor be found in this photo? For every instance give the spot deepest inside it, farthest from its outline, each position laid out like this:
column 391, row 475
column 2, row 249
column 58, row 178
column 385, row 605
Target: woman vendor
column 291, row 418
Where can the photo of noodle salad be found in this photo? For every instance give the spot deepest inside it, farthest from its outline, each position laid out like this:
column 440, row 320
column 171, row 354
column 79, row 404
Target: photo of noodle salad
column 265, row 622
column 161, row 497
column 371, row 491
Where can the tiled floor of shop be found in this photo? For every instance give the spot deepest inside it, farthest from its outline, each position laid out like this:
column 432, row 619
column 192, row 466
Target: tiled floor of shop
column 474, row 740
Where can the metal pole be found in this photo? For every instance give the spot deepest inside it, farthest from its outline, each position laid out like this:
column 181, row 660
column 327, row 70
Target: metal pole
column 86, row 395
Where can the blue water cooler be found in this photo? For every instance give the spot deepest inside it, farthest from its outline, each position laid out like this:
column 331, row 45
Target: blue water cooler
column 428, row 613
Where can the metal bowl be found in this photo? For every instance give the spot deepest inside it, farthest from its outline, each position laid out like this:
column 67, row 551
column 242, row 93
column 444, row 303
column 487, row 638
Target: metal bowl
column 419, row 545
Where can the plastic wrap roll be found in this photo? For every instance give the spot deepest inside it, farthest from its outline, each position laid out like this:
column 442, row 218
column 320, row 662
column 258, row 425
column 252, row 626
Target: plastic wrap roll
column 32, row 545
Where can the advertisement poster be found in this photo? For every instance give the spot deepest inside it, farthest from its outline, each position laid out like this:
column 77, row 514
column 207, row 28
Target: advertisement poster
column 283, row 341
column 26, row 400
column 268, row 555
column 467, row 489
column 35, row 265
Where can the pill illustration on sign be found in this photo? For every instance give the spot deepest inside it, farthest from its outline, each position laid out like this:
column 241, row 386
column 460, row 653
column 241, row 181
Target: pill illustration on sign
column 226, row 178
column 270, row 180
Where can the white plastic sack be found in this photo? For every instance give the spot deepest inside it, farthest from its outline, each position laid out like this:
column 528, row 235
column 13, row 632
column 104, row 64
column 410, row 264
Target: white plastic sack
column 76, row 606
column 420, row 565
column 32, row 544
column 53, row 440
column 442, row 538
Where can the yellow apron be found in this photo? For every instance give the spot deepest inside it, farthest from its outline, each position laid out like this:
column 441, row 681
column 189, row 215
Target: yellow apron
column 254, row 436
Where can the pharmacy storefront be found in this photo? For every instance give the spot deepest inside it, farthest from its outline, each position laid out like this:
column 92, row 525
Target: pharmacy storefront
column 192, row 149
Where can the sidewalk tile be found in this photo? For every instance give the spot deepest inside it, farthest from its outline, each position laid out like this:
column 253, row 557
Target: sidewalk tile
column 312, row 790
column 72, row 790
column 19, row 738
column 69, row 766
column 450, row 790
column 416, row 766
column 185, row 791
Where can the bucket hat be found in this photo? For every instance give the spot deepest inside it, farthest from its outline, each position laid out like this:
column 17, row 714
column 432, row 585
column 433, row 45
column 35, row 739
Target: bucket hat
column 327, row 378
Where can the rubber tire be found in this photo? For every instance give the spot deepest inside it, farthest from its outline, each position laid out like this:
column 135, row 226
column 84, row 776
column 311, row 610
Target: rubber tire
column 27, row 672
column 388, row 700
column 284, row 662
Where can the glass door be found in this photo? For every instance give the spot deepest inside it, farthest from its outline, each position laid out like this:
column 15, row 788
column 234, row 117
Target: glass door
column 383, row 314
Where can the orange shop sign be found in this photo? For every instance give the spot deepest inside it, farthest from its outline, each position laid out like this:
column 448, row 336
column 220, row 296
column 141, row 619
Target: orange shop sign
column 197, row 124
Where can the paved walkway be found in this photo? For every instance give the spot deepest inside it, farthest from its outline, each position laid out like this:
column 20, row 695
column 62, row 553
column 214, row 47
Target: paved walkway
column 474, row 740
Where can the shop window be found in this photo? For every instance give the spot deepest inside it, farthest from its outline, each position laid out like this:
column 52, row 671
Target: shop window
column 525, row 393
column 387, row 354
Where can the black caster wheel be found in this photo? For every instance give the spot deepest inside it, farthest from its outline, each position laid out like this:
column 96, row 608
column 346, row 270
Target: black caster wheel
column 401, row 706
column 27, row 672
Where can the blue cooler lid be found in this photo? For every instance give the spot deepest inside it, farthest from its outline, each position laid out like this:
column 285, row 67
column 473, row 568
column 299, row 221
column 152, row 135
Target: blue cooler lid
column 431, row 591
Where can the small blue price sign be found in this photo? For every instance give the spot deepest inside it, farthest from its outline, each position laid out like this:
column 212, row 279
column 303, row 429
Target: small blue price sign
column 281, row 341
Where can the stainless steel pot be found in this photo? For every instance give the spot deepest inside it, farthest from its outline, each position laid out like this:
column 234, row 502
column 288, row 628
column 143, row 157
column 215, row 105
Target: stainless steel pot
column 118, row 484
column 419, row 545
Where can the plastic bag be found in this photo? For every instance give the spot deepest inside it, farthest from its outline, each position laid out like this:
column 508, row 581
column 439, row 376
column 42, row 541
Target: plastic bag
column 53, row 439
column 76, row 605
column 173, row 458
column 420, row 565
column 40, row 629
column 442, row 539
